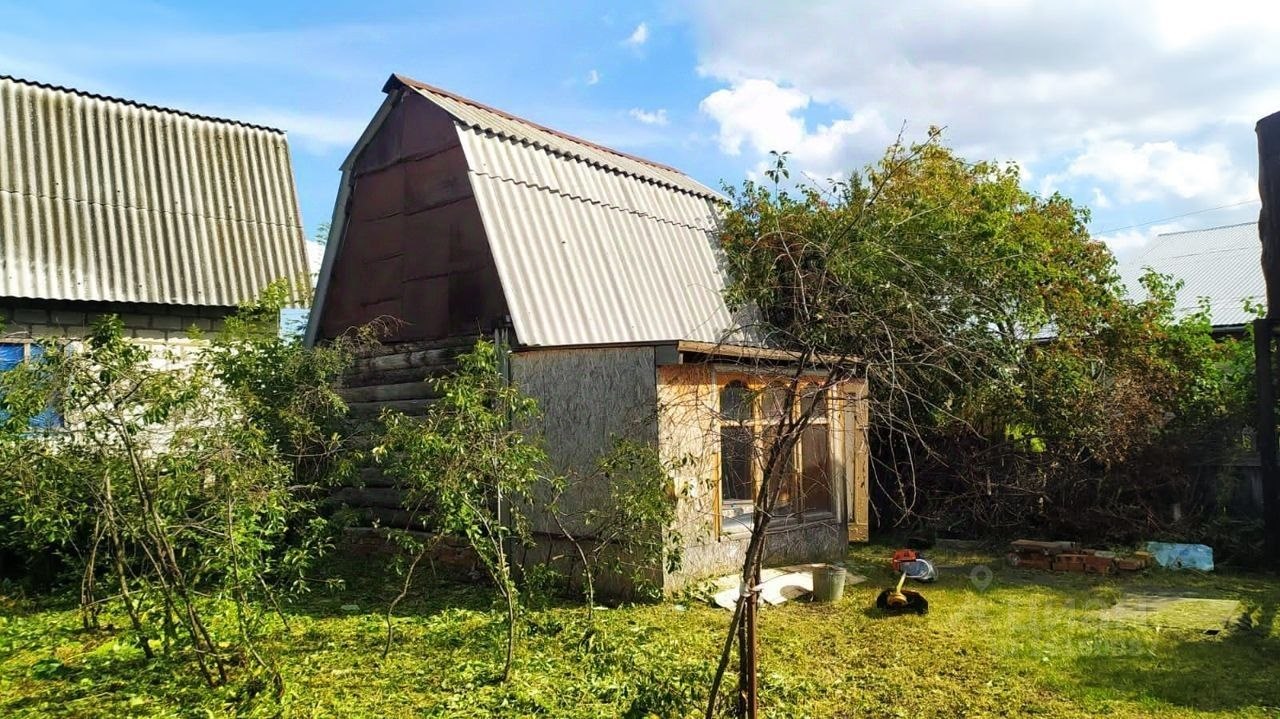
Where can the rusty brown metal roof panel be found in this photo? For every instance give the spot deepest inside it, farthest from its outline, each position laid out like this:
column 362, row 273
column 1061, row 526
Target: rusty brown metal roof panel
column 104, row 199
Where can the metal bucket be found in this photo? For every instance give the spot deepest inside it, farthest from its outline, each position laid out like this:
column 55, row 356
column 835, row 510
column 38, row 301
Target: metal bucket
column 828, row 583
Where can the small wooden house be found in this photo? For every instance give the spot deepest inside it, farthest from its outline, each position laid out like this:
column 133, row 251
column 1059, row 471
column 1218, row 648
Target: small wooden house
column 602, row 272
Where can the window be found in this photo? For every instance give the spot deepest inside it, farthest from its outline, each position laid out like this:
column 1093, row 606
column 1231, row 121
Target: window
column 750, row 414
column 11, row 355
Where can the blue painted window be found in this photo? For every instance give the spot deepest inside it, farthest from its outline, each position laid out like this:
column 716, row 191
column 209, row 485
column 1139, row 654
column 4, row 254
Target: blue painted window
column 11, row 355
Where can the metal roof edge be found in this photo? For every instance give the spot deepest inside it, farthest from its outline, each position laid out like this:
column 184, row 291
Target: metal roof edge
column 140, row 105
column 338, row 221
column 1207, row 229
column 397, row 81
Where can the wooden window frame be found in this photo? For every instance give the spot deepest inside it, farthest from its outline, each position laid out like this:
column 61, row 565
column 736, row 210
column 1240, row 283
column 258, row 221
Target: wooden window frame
column 733, row 516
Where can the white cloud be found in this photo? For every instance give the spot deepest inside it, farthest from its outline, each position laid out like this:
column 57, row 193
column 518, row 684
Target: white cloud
column 639, row 36
column 1150, row 100
column 657, row 117
column 1126, row 243
column 767, row 117
column 1100, row 199
column 593, row 77
column 1153, row 170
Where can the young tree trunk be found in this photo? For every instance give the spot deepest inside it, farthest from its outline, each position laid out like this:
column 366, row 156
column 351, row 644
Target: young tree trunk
column 744, row 624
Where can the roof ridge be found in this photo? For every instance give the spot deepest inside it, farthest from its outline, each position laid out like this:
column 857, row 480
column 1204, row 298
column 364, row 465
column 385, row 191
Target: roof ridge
column 406, row 81
column 137, row 104
column 1206, row 229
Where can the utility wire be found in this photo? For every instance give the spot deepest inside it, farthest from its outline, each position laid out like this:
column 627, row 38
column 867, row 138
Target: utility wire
column 1174, row 217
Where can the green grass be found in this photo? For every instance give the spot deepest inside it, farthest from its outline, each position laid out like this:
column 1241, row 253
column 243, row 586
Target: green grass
column 1028, row 644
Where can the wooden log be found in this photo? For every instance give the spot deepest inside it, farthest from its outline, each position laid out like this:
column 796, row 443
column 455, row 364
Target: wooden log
column 395, row 376
column 407, row 360
column 462, row 342
column 375, row 477
column 390, row 518
column 411, row 407
column 387, row 392
column 368, row 497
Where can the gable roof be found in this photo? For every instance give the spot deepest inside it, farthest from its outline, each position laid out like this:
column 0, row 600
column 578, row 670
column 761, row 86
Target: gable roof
column 107, row 199
column 1219, row 263
column 592, row 246
column 486, row 120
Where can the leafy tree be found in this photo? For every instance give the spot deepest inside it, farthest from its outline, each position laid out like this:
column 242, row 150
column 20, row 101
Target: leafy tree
column 289, row 390
column 1013, row 384
column 1006, row 361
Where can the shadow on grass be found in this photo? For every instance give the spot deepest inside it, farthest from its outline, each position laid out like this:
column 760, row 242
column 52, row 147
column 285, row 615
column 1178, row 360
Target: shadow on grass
column 1233, row 670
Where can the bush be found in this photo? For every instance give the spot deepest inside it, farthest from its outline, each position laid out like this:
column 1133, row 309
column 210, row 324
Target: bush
column 176, row 481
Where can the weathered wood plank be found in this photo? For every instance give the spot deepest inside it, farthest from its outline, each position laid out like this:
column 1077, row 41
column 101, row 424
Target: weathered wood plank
column 412, row 407
column 407, row 360
column 460, row 341
column 395, row 376
column 365, row 497
column 387, row 392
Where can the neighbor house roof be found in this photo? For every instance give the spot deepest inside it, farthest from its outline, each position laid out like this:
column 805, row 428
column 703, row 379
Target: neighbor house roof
column 1220, row 264
column 592, row 246
column 107, row 199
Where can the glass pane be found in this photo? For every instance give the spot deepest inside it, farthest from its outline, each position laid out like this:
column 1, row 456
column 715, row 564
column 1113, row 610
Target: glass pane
column 735, row 463
column 815, row 471
column 784, row 472
column 735, row 401
column 775, row 402
column 809, row 397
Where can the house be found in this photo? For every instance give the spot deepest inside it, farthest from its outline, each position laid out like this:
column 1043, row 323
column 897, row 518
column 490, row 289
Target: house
column 601, row 271
column 166, row 218
column 1219, row 264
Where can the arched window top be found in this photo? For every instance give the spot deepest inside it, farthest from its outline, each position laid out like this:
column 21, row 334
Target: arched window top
column 735, row 401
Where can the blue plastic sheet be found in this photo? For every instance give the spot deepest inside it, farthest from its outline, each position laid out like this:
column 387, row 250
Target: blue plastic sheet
column 1182, row 556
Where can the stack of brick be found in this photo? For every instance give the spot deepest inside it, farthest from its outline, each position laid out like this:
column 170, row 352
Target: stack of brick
column 1071, row 557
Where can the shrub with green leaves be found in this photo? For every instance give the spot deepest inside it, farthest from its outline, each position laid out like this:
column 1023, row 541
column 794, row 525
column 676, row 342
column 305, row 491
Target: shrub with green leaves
column 167, row 485
column 467, row 469
column 629, row 529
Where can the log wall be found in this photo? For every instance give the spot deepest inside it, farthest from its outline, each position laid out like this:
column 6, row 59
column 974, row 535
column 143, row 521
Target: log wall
column 395, row 376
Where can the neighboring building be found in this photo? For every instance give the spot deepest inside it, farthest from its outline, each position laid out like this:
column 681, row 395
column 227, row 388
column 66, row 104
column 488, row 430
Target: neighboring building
column 166, row 218
column 1223, row 266
column 1220, row 264
column 602, row 272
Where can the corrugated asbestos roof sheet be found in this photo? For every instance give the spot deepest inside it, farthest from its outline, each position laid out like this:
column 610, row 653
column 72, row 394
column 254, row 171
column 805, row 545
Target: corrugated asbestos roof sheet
column 592, row 246
column 1220, row 263
column 104, row 199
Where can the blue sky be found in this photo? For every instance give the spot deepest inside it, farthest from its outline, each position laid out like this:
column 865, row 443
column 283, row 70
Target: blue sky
column 1141, row 110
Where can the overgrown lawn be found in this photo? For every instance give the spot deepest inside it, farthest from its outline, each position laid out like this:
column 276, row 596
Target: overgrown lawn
column 1022, row 643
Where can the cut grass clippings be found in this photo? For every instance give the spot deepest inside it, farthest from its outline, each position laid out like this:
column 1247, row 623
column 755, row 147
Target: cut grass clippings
column 997, row 642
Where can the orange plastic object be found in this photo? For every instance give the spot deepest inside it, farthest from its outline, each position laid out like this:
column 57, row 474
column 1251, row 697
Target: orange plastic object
column 903, row 555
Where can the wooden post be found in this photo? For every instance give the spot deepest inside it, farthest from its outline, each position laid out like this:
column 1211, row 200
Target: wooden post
column 1267, row 445
column 1268, row 131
